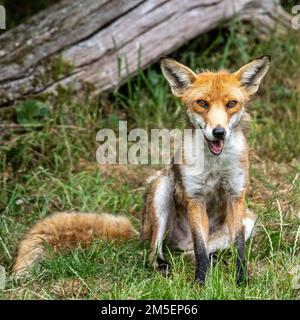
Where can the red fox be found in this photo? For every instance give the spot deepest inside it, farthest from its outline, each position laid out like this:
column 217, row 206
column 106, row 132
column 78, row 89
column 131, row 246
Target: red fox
column 198, row 211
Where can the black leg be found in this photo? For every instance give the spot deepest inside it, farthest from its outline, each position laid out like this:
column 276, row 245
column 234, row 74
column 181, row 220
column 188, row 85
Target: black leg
column 199, row 225
column 241, row 266
column 202, row 260
column 163, row 266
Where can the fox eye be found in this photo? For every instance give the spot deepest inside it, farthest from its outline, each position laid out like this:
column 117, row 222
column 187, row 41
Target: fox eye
column 231, row 104
column 202, row 104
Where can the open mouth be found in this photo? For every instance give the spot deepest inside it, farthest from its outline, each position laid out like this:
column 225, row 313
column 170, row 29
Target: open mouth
column 216, row 146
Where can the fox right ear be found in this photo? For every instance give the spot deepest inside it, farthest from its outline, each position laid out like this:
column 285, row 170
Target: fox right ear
column 178, row 76
column 252, row 73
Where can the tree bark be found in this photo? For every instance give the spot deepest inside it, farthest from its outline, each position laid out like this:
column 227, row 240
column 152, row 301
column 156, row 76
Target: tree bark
column 101, row 42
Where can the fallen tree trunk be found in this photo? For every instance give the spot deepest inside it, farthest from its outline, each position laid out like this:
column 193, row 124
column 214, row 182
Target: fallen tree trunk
column 100, row 42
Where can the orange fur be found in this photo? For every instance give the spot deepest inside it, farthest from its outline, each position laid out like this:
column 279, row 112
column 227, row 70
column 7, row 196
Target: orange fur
column 66, row 230
column 216, row 88
column 198, row 219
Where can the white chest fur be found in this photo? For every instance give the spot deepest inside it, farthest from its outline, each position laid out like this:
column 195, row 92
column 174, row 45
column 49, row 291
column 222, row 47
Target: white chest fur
column 217, row 172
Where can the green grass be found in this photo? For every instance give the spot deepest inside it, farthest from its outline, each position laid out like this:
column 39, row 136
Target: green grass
column 51, row 166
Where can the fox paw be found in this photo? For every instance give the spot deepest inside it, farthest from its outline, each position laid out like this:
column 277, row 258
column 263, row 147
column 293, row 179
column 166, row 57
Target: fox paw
column 244, row 278
column 163, row 267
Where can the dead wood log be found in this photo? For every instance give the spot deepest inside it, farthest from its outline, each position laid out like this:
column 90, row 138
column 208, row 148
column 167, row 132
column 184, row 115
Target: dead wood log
column 100, row 42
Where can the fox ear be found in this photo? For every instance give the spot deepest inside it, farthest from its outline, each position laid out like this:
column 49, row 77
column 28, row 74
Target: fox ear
column 179, row 76
column 252, row 73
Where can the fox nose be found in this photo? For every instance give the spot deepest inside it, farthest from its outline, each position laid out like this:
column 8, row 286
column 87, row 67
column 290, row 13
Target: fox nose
column 219, row 132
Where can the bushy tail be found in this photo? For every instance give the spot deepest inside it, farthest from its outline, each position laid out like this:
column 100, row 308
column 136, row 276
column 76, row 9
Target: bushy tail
column 66, row 230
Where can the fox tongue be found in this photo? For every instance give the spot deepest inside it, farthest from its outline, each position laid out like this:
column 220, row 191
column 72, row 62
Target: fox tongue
column 216, row 147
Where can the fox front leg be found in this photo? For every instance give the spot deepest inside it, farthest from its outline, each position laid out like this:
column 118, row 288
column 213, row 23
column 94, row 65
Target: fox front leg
column 241, row 265
column 199, row 225
column 235, row 214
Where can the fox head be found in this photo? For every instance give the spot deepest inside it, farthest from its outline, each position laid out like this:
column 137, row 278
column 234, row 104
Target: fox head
column 215, row 101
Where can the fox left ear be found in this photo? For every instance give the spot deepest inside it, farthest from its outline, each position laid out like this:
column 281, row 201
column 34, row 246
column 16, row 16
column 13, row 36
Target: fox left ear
column 178, row 76
column 252, row 73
